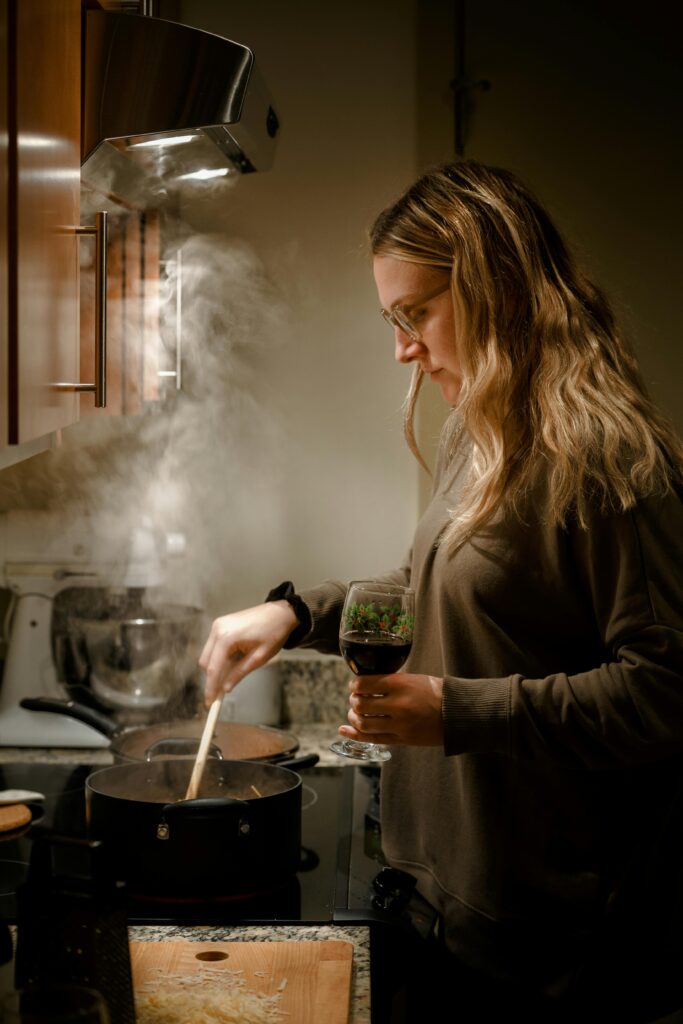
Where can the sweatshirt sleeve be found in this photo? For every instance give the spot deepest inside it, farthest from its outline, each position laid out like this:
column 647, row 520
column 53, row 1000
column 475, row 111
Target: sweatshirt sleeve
column 626, row 709
column 325, row 603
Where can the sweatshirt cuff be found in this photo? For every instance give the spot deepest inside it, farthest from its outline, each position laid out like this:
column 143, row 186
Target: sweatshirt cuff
column 285, row 592
column 325, row 603
column 476, row 715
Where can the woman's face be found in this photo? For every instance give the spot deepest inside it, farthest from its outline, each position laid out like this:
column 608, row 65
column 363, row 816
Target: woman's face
column 411, row 288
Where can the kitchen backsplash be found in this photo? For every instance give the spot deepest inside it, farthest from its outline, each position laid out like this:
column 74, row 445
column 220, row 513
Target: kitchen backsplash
column 314, row 689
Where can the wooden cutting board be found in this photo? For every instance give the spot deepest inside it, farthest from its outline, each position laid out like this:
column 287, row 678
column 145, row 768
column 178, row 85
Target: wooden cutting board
column 318, row 974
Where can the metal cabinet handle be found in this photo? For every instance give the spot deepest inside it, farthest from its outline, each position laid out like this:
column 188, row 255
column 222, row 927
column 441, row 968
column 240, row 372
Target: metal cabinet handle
column 101, row 233
column 177, row 373
column 179, row 321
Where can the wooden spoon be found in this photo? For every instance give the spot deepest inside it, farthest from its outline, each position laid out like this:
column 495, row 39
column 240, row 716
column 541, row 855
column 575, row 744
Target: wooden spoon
column 203, row 752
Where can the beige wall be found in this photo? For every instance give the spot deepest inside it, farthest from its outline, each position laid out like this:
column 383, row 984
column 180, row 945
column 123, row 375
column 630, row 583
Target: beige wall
column 344, row 86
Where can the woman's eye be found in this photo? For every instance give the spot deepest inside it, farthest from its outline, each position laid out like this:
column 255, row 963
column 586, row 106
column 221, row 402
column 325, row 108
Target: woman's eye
column 417, row 314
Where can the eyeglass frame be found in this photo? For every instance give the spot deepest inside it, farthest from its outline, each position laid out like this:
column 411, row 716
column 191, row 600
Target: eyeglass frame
column 398, row 316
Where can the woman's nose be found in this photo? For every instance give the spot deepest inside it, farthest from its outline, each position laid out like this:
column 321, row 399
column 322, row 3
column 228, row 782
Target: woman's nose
column 405, row 347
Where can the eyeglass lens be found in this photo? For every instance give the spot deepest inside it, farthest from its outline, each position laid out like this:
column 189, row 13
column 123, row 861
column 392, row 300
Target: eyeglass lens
column 397, row 318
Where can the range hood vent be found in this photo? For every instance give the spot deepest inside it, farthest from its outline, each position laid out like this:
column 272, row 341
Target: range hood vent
column 154, row 88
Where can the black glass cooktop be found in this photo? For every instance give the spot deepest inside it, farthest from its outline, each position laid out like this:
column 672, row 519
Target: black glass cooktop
column 341, row 850
column 342, row 876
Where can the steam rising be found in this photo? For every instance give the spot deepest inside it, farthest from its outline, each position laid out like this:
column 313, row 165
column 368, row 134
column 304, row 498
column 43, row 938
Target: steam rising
column 204, row 461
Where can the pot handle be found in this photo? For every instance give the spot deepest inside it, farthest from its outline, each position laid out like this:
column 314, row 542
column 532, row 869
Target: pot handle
column 203, row 807
column 72, row 709
column 178, row 745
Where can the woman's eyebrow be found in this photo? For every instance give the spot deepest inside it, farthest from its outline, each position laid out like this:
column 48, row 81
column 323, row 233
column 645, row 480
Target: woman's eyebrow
column 417, row 298
column 405, row 301
column 398, row 303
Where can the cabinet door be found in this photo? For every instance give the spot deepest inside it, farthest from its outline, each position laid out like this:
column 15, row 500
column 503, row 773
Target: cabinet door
column 43, row 48
column 133, row 336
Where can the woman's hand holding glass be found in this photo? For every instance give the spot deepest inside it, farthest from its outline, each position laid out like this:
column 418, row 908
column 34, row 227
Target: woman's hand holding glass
column 407, row 713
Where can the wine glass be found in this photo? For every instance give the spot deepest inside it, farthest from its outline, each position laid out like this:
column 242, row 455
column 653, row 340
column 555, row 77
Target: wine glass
column 375, row 637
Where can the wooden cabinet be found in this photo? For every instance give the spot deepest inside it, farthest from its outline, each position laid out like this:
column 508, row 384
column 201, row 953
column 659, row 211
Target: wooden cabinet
column 133, row 327
column 39, row 214
column 47, row 274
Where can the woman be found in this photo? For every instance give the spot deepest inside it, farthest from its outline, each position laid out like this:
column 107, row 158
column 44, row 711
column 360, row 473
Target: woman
column 537, row 734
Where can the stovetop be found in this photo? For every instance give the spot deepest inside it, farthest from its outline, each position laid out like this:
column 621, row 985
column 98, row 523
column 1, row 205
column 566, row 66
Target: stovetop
column 336, row 881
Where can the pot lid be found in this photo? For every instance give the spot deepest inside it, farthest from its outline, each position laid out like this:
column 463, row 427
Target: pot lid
column 237, row 741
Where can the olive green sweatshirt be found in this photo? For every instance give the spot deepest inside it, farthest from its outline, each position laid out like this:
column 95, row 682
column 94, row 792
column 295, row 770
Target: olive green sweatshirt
column 562, row 657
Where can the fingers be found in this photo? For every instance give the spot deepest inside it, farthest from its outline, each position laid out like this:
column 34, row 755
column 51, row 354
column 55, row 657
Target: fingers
column 370, row 706
column 228, row 663
column 229, row 671
column 349, row 733
column 371, row 685
column 403, row 708
column 242, row 641
column 363, row 722
column 207, row 649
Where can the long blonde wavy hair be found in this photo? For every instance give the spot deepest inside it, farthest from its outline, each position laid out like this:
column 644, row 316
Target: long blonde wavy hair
column 551, row 390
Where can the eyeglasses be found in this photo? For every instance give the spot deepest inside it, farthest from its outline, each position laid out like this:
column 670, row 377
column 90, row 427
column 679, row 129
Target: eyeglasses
column 399, row 316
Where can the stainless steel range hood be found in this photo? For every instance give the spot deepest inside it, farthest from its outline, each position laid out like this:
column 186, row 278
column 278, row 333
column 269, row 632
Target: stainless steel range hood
column 177, row 101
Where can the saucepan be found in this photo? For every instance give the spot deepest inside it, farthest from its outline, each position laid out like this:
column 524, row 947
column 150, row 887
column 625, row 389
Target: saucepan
column 235, row 741
column 242, row 833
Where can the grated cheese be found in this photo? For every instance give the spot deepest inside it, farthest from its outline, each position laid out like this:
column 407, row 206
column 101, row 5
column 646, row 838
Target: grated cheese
column 196, row 999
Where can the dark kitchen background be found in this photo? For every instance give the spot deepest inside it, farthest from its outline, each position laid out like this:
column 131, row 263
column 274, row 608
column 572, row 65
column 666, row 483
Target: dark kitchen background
column 281, row 455
column 303, row 469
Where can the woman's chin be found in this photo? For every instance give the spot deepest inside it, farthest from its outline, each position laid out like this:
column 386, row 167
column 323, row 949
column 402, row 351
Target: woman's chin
column 450, row 388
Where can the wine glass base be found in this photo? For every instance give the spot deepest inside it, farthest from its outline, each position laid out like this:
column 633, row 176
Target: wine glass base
column 361, row 751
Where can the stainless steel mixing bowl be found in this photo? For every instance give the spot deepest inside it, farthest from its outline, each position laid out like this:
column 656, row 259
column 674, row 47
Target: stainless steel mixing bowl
column 142, row 660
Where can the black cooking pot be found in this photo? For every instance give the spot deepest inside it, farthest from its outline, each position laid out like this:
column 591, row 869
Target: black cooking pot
column 235, row 741
column 242, row 835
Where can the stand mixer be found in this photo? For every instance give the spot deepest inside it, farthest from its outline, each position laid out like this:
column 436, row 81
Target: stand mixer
column 41, row 555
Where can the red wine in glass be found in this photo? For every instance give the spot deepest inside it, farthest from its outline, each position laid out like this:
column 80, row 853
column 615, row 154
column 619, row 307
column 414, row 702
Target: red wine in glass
column 375, row 638
column 369, row 654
